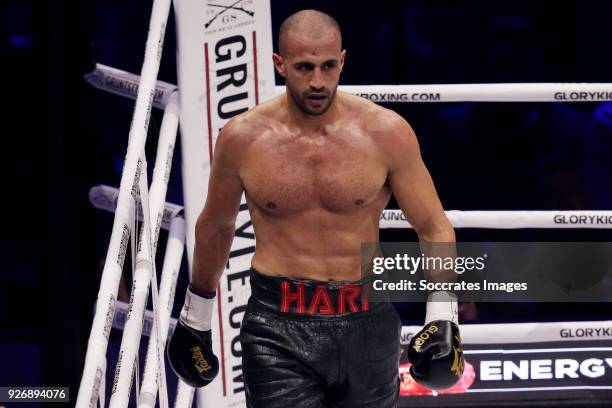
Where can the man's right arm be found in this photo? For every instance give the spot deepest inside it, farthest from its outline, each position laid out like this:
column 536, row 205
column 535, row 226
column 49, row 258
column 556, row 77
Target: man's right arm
column 215, row 225
column 190, row 351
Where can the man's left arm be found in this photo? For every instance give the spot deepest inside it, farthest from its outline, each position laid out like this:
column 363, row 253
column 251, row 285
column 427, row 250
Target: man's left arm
column 412, row 185
column 416, row 195
column 435, row 352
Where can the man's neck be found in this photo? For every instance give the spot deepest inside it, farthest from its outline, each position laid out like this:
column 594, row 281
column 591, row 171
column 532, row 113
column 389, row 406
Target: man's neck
column 312, row 122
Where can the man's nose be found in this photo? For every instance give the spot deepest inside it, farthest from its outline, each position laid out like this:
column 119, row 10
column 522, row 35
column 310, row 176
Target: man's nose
column 317, row 81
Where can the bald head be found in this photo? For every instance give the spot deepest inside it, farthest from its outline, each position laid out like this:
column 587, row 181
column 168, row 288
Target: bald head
column 307, row 24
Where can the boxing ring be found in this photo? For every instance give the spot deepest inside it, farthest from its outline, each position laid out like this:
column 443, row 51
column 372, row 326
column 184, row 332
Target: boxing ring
column 501, row 359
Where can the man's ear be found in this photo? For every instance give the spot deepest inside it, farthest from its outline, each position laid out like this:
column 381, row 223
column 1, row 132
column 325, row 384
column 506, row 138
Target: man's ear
column 279, row 64
column 342, row 56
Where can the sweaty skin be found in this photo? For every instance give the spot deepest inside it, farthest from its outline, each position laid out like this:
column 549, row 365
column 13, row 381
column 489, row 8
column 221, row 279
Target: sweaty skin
column 317, row 167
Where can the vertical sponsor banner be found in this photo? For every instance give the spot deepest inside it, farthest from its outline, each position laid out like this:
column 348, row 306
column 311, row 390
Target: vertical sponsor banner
column 224, row 50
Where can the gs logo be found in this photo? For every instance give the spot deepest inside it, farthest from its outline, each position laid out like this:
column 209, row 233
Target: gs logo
column 227, row 11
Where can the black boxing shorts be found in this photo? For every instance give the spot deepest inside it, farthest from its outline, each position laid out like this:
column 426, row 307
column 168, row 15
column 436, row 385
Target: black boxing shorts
column 318, row 344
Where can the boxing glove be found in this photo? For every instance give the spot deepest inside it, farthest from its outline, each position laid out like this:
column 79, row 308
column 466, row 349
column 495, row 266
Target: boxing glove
column 189, row 349
column 436, row 353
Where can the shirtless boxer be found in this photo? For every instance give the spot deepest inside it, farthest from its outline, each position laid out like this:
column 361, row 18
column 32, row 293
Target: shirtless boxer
column 317, row 167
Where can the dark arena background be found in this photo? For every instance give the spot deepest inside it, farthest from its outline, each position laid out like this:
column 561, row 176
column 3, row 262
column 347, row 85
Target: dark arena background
column 61, row 137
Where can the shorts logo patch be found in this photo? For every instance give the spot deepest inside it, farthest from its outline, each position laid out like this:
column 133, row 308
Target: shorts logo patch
column 346, row 299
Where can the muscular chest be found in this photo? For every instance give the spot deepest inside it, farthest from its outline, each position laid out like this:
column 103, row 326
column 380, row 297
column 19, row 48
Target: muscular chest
column 303, row 173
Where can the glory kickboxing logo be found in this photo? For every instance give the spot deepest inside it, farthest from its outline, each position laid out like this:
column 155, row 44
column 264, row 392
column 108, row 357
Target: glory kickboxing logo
column 401, row 97
column 586, row 332
column 582, row 219
column 392, row 215
column 583, row 96
column 424, row 336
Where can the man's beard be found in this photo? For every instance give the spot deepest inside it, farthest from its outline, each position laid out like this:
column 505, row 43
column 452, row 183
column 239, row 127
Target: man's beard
column 301, row 100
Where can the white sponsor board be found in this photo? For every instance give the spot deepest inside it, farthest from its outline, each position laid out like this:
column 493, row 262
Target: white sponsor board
column 225, row 66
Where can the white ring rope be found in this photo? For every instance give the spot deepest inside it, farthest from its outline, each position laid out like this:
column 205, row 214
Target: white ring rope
column 184, row 396
column 512, row 219
column 172, row 264
column 95, row 360
column 124, row 83
column 145, row 267
column 515, row 92
column 102, row 197
column 513, row 333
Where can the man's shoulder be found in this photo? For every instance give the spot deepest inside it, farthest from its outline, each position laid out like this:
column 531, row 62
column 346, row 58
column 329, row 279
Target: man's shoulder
column 247, row 126
column 376, row 118
column 386, row 129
